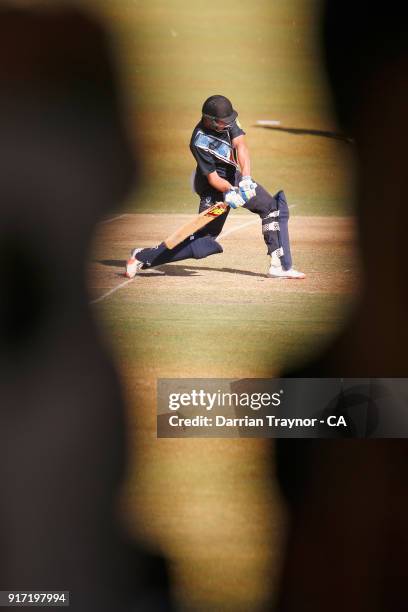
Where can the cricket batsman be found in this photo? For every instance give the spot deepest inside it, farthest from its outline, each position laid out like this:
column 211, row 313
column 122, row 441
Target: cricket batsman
column 223, row 174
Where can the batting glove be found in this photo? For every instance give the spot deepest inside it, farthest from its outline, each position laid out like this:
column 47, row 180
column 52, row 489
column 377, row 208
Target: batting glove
column 247, row 188
column 233, row 198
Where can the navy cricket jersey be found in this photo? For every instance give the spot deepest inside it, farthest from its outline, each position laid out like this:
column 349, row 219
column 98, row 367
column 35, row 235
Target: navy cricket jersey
column 213, row 151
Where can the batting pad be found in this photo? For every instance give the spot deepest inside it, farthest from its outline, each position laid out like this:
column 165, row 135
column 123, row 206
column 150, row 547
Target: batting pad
column 277, row 221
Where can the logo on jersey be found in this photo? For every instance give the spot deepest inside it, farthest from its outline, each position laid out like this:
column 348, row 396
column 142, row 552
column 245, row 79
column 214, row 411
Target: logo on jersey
column 215, row 146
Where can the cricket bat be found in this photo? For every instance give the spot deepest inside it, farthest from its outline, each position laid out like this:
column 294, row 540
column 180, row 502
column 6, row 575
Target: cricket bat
column 195, row 224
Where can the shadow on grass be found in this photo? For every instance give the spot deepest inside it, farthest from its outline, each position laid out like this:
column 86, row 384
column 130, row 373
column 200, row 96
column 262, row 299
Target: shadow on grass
column 307, row 132
column 185, row 270
column 179, row 270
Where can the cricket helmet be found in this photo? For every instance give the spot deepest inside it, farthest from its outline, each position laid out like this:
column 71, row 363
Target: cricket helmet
column 219, row 108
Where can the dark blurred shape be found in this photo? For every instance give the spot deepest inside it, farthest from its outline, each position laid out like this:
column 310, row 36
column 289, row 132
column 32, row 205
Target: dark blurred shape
column 361, row 40
column 65, row 160
column 347, row 499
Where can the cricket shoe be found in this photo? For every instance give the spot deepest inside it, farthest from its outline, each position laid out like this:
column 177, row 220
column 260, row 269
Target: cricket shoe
column 133, row 265
column 279, row 272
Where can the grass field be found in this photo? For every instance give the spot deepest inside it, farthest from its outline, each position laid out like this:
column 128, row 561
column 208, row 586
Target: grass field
column 222, row 316
column 211, row 505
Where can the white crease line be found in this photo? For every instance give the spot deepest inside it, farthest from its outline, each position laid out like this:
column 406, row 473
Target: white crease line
column 113, row 219
column 105, row 295
column 108, row 293
column 235, row 229
column 127, row 214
